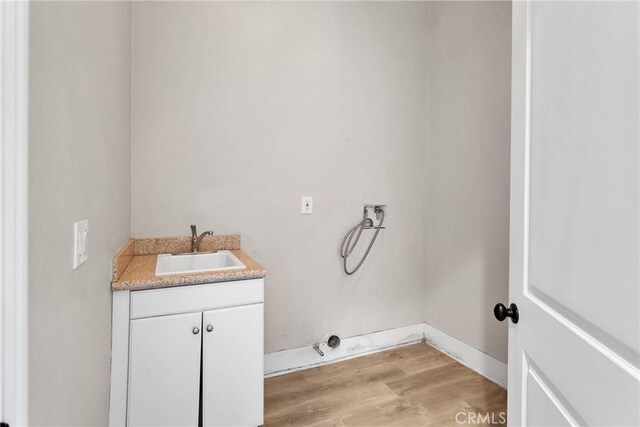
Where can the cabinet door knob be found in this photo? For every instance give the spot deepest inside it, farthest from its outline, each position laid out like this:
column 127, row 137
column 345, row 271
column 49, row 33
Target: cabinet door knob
column 209, row 328
column 196, row 331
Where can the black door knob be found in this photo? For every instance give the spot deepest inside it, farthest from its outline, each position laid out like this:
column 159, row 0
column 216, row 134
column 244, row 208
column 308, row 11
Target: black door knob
column 501, row 312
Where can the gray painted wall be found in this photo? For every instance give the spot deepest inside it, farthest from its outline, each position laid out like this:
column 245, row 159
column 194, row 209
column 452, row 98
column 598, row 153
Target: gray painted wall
column 79, row 156
column 467, row 196
column 239, row 109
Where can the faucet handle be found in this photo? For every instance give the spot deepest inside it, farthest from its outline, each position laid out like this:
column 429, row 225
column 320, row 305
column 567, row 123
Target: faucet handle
column 193, row 230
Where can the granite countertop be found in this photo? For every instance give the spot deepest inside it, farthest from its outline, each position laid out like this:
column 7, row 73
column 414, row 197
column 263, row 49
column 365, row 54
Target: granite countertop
column 133, row 267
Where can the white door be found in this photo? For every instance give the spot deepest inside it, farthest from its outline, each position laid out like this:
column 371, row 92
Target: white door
column 574, row 257
column 164, row 371
column 233, row 366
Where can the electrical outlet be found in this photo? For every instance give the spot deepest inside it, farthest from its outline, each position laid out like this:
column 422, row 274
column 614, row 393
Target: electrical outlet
column 80, row 242
column 307, row 205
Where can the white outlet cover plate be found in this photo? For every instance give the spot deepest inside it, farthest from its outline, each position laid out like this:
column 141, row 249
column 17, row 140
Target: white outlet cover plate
column 307, row 205
column 80, row 242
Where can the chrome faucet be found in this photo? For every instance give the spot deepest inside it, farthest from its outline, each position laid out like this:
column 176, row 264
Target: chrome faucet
column 195, row 239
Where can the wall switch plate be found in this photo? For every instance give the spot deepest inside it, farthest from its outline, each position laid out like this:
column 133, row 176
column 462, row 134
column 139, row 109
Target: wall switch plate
column 307, row 205
column 80, row 242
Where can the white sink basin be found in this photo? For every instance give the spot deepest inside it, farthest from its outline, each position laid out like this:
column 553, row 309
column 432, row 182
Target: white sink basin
column 197, row 263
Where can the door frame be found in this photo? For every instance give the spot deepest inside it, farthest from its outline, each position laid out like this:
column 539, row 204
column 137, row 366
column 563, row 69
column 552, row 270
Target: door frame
column 14, row 82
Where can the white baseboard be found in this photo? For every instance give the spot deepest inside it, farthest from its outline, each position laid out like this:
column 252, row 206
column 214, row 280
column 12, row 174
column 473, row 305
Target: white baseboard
column 471, row 357
column 287, row 361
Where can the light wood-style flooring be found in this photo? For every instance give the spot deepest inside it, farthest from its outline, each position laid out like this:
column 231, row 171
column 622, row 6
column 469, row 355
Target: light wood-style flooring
column 415, row 385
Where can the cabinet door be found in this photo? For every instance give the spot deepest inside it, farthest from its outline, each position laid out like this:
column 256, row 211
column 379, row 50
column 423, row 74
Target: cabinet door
column 232, row 368
column 164, row 370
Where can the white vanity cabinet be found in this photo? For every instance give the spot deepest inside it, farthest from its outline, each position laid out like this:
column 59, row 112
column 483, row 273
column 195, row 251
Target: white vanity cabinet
column 188, row 356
